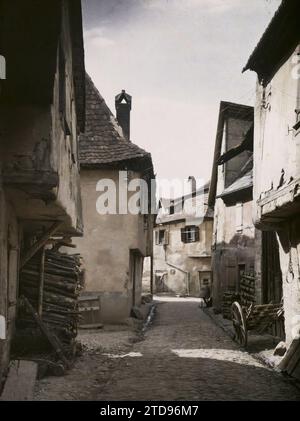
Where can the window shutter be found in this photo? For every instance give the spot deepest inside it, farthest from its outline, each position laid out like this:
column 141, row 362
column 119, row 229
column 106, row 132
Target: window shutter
column 197, row 234
column 183, row 235
column 239, row 217
column 166, row 237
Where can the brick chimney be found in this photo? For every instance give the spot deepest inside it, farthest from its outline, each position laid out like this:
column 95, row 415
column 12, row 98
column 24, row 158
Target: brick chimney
column 123, row 108
column 193, row 185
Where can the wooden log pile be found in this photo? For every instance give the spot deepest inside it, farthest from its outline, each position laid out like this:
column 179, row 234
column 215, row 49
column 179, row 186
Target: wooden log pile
column 228, row 298
column 247, row 289
column 52, row 288
column 259, row 317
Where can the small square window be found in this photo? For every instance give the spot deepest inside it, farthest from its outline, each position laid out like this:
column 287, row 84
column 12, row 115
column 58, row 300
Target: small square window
column 190, row 234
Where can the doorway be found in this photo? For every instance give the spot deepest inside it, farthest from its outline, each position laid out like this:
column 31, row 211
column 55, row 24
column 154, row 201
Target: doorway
column 136, row 275
column 204, row 279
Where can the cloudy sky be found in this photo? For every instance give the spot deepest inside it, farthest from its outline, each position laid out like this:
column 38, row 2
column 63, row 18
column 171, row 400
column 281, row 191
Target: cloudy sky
column 178, row 59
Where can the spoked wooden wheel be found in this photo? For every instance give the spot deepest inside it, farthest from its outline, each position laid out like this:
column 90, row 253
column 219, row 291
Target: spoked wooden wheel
column 239, row 324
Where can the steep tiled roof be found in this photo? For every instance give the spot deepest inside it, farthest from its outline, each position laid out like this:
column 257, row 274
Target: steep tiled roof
column 103, row 142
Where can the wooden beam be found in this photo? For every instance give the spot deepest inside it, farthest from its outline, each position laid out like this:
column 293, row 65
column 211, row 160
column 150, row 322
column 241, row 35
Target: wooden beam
column 45, row 179
column 20, row 382
column 41, row 285
column 53, row 340
column 40, row 243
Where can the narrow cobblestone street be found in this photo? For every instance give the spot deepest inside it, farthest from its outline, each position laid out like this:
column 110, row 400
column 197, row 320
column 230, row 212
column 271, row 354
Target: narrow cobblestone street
column 183, row 356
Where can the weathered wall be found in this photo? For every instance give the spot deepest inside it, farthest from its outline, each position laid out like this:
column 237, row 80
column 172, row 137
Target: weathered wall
column 9, row 254
column 276, row 165
column 231, row 248
column 33, row 143
column 274, row 118
column 106, row 247
column 25, row 137
column 65, row 147
column 176, row 261
column 289, row 249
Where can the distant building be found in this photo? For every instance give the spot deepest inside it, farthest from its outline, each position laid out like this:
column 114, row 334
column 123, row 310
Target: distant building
column 245, row 262
column 114, row 245
column 182, row 246
column 230, row 195
column 276, row 189
column 42, row 113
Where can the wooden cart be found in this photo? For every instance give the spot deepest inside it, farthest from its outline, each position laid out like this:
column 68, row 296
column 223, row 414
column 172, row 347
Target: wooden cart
column 258, row 317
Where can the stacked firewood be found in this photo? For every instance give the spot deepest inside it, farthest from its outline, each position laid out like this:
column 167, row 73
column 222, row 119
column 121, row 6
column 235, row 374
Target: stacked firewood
column 247, row 289
column 57, row 300
column 228, row 298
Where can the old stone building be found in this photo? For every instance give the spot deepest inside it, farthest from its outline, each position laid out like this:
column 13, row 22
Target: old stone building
column 42, row 113
column 182, row 245
column 277, row 150
column 115, row 243
column 230, row 196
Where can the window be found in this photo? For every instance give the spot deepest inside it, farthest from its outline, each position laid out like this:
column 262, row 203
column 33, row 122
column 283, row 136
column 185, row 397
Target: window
column 161, row 237
column 239, row 217
column 190, row 234
column 172, row 208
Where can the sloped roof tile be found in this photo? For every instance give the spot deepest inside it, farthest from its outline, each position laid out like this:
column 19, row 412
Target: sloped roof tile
column 103, row 141
column 245, row 182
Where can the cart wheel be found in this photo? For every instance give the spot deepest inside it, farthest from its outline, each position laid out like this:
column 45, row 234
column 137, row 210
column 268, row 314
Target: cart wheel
column 239, row 324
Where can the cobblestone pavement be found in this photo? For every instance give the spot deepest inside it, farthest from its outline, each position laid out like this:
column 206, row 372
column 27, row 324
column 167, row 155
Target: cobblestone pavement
column 183, row 356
